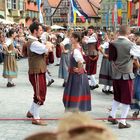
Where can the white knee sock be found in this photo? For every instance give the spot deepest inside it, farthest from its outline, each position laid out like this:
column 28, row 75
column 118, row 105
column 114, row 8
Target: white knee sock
column 105, row 87
column 36, row 111
column 115, row 106
column 109, row 88
column 58, row 60
column 93, row 80
column 48, row 77
column 10, row 80
column 32, row 108
column 125, row 110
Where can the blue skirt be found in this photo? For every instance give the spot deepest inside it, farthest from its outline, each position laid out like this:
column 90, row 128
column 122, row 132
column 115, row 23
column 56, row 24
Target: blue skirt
column 136, row 99
column 77, row 93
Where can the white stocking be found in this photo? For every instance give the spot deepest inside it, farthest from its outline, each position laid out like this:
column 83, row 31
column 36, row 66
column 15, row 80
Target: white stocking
column 125, row 110
column 115, row 106
column 36, row 111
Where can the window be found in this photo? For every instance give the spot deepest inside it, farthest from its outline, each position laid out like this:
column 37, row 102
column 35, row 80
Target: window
column 14, row 6
column 9, row 4
column 21, row 5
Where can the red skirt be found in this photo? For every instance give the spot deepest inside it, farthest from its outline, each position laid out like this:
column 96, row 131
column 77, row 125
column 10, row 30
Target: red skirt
column 123, row 91
column 91, row 66
column 58, row 51
column 38, row 82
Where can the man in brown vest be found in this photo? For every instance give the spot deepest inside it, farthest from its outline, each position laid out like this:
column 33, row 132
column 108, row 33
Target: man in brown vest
column 37, row 68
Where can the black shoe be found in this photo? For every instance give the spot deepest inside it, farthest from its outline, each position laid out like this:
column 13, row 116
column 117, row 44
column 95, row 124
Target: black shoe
column 110, row 92
column 50, row 82
column 10, row 84
column 94, row 87
column 112, row 120
column 105, row 91
column 135, row 115
column 121, row 126
column 64, row 84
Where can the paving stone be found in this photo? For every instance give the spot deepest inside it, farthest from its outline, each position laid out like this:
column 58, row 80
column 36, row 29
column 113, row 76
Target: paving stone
column 15, row 102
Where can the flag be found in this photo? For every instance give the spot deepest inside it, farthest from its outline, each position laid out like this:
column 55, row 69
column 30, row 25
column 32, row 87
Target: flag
column 129, row 11
column 76, row 12
column 139, row 15
column 115, row 15
column 107, row 19
column 39, row 10
column 119, row 8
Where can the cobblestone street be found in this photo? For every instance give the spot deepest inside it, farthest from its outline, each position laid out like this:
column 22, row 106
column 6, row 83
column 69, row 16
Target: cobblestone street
column 15, row 102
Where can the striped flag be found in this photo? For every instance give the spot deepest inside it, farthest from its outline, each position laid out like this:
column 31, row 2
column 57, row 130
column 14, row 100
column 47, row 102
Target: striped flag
column 139, row 15
column 115, row 14
column 129, row 11
column 76, row 12
column 40, row 13
column 119, row 7
column 107, row 19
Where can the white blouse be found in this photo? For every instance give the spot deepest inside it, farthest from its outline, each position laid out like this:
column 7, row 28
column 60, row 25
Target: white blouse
column 105, row 45
column 65, row 41
column 78, row 56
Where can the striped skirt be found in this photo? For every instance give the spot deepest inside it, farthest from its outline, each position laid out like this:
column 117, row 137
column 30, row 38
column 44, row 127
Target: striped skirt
column 77, row 93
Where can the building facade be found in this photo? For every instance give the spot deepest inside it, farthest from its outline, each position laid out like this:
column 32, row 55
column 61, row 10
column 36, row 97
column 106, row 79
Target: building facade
column 14, row 10
column 106, row 11
column 32, row 8
column 59, row 12
column 48, row 13
column 2, row 8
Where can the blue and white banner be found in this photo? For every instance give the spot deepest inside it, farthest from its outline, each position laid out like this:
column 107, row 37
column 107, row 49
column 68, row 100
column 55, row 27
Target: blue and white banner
column 39, row 10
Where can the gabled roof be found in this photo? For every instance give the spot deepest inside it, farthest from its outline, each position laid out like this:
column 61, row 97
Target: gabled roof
column 54, row 3
column 89, row 7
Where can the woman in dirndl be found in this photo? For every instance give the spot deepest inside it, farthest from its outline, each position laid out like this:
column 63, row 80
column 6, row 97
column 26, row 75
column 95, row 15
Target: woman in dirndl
column 77, row 95
column 136, row 99
column 106, row 69
column 10, row 64
column 65, row 58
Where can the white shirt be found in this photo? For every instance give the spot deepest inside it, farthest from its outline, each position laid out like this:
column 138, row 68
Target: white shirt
column 38, row 47
column 65, row 41
column 78, row 56
column 105, row 45
column 8, row 42
column 135, row 50
column 44, row 37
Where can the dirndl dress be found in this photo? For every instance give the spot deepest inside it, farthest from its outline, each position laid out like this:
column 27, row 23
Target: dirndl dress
column 77, row 91
column 64, row 63
column 10, row 65
column 105, row 76
column 136, row 99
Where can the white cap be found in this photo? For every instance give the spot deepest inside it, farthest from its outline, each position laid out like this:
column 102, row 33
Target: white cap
column 92, row 40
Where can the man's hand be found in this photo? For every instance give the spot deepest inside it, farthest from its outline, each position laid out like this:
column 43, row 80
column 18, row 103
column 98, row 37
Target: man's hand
column 50, row 46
